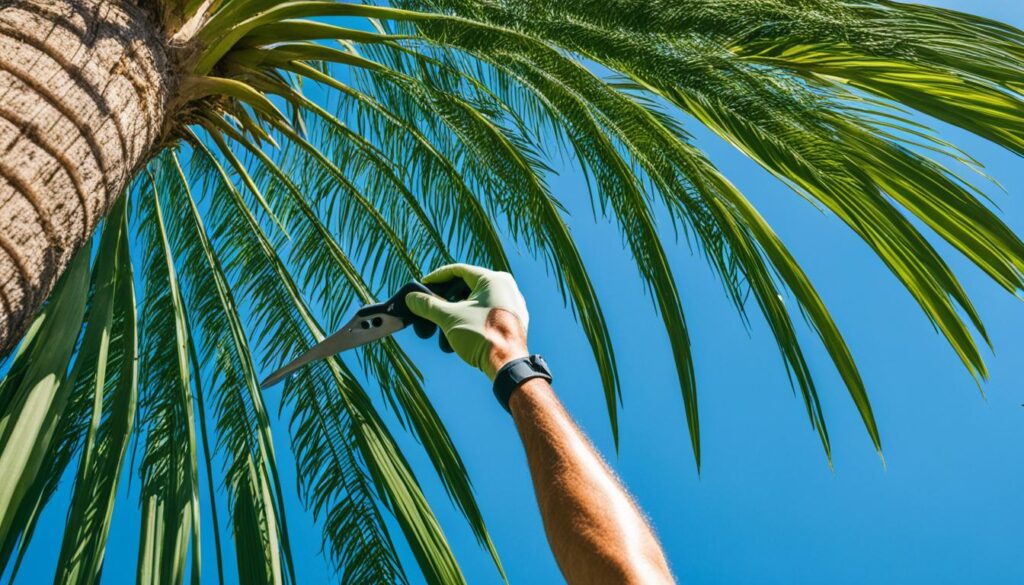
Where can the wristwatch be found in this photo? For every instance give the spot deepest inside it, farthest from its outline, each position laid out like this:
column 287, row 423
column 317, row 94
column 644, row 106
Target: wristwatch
column 514, row 373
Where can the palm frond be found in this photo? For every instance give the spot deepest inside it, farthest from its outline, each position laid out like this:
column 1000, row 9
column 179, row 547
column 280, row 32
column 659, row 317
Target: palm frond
column 110, row 338
column 241, row 418
column 254, row 256
column 35, row 394
column 169, row 467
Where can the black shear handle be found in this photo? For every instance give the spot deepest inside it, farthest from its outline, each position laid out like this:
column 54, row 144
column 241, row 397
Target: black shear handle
column 453, row 290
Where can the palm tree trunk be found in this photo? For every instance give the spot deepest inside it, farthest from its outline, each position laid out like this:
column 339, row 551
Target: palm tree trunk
column 83, row 93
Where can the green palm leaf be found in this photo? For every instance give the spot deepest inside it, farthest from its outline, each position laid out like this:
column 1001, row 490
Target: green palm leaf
column 35, row 394
column 109, row 339
column 169, row 467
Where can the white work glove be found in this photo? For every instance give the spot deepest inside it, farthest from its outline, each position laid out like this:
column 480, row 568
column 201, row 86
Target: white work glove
column 486, row 330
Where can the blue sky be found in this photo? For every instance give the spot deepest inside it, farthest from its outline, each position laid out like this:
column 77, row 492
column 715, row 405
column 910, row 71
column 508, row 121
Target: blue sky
column 947, row 507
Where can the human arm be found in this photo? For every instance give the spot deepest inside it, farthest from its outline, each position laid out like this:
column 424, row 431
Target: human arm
column 595, row 530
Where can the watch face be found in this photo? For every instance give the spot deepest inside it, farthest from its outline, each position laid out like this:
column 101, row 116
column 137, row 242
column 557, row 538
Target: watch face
column 514, row 373
column 540, row 364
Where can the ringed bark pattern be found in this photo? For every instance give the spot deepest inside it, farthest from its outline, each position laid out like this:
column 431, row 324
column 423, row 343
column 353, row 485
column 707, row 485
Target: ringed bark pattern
column 83, row 95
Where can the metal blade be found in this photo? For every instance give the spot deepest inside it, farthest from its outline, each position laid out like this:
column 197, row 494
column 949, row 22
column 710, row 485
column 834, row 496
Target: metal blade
column 353, row 334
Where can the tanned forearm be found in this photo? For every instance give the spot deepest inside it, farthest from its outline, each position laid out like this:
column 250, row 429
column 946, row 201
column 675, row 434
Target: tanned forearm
column 596, row 532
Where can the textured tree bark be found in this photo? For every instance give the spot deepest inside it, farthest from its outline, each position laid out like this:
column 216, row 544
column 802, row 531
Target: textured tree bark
column 83, row 94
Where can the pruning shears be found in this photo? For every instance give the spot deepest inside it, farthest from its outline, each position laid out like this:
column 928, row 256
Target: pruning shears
column 373, row 322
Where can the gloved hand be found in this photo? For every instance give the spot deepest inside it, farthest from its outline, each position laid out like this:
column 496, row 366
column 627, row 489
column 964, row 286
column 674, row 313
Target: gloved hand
column 488, row 329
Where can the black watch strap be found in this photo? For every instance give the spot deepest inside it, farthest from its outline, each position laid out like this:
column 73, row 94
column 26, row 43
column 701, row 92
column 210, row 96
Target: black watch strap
column 515, row 372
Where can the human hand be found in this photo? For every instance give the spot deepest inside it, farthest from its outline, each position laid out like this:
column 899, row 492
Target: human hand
column 488, row 329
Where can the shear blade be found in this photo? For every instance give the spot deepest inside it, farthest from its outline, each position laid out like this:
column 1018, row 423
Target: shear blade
column 353, row 334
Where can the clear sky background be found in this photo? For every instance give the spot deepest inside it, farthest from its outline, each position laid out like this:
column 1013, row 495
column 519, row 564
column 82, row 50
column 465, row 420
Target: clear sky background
column 948, row 506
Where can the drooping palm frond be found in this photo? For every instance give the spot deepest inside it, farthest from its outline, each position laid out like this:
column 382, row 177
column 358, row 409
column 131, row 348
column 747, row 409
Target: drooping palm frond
column 326, row 153
column 110, row 337
column 242, row 422
column 36, row 395
column 169, row 466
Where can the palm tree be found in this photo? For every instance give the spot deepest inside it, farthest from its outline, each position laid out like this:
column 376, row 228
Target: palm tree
column 254, row 164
